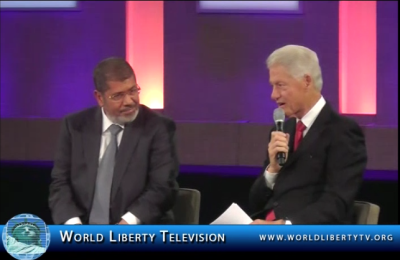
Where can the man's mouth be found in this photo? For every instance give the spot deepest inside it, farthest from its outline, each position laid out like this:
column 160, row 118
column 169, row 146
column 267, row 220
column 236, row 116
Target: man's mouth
column 128, row 111
column 281, row 104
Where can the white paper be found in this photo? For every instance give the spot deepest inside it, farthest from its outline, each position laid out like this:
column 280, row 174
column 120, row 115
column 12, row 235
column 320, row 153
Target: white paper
column 234, row 215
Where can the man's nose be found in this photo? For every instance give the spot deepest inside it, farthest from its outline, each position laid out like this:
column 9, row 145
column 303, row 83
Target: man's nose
column 128, row 100
column 275, row 94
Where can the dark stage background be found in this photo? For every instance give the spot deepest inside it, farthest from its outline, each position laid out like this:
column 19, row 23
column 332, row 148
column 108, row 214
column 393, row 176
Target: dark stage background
column 24, row 188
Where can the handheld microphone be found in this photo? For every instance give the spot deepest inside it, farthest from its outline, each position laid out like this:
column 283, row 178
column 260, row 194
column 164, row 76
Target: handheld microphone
column 279, row 118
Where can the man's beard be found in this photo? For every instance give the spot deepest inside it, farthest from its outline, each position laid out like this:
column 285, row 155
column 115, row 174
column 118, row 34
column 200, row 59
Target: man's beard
column 122, row 120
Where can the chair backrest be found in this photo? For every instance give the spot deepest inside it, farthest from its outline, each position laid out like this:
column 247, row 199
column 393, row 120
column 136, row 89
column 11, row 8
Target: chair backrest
column 366, row 213
column 187, row 207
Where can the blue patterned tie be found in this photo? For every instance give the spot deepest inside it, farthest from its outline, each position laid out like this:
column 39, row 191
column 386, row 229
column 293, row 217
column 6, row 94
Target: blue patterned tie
column 101, row 203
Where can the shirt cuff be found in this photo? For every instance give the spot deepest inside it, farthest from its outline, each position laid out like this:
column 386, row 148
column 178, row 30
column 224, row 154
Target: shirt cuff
column 73, row 221
column 131, row 219
column 287, row 222
column 270, row 178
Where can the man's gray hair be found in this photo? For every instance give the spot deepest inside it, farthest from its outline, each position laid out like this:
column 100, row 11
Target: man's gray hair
column 298, row 60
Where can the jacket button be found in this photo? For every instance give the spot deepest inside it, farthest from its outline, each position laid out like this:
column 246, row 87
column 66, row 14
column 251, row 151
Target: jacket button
column 275, row 204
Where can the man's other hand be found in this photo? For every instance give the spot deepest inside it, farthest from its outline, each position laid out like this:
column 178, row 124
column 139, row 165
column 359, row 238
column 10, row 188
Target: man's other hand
column 266, row 222
column 123, row 222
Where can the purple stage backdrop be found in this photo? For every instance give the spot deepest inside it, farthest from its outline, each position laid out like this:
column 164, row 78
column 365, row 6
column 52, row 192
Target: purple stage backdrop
column 214, row 63
column 47, row 57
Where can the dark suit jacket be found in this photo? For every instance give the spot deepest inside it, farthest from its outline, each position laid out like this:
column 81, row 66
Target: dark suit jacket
column 319, row 181
column 144, row 180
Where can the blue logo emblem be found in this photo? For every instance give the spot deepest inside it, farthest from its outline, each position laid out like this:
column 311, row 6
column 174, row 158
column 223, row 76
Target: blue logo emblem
column 26, row 236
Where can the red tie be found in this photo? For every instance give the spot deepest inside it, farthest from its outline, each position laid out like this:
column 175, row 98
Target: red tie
column 270, row 216
column 300, row 127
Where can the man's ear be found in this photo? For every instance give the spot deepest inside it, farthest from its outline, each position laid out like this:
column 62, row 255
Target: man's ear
column 307, row 81
column 99, row 98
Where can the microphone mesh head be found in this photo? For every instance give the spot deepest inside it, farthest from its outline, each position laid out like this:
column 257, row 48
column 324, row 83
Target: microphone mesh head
column 279, row 114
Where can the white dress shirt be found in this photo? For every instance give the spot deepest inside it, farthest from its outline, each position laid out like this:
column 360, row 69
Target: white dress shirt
column 105, row 140
column 307, row 120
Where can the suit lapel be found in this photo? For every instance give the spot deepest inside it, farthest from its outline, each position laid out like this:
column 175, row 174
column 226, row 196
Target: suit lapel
column 91, row 139
column 311, row 137
column 129, row 141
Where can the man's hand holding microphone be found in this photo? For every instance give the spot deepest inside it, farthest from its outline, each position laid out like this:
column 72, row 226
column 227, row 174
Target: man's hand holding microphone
column 278, row 150
column 278, row 147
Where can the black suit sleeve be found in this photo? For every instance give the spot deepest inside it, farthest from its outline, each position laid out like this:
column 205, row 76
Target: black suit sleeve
column 346, row 162
column 61, row 198
column 259, row 192
column 161, row 190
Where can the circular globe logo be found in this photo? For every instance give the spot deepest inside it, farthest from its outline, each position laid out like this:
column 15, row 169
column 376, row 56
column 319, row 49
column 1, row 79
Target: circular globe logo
column 26, row 236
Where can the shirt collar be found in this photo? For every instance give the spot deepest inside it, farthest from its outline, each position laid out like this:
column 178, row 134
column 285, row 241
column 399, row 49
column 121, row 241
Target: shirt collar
column 107, row 122
column 310, row 117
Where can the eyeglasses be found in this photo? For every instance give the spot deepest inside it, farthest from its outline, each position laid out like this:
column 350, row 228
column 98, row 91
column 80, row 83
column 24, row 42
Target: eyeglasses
column 121, row 95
